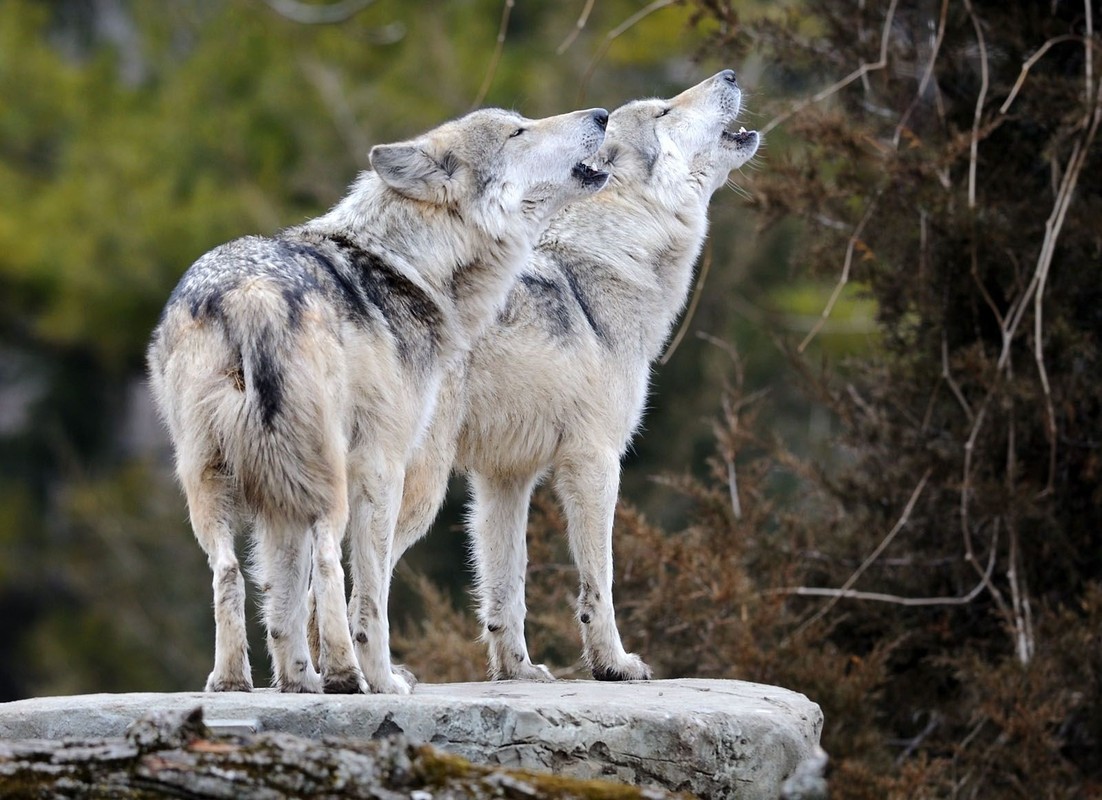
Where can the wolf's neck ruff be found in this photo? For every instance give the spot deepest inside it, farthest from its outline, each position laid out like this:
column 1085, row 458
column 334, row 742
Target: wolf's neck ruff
column 464, row 268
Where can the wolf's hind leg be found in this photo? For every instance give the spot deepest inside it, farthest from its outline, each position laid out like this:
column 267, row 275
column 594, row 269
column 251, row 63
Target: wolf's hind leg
column 587, row 486
column 373, row 514
column 498, row 529
column 211, row 507
column 283, row 559
column 336, row 659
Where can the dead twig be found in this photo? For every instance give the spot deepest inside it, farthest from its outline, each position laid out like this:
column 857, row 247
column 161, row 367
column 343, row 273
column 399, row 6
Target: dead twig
column 616, row 33
column 977, row 116
column 843, row 279
column 499, row 47
column 705, row 266
column 578, row 27
column 872, row 557
column 927, row 75
column 857, row 74
column 880, row 597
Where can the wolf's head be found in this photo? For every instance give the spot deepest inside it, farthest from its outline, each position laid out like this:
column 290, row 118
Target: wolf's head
column 680, row 142
column 494, row 162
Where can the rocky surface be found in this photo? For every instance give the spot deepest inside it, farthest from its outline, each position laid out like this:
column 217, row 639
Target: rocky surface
column 708, row 737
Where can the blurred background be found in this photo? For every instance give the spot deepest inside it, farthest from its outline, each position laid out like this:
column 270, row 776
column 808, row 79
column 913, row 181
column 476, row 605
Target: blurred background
column 870, row 470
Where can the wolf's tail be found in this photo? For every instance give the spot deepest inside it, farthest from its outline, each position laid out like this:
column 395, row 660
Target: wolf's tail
column 282, row 438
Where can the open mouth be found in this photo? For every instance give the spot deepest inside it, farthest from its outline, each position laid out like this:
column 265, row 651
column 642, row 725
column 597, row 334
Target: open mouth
column 589, row 177
column 740, row 138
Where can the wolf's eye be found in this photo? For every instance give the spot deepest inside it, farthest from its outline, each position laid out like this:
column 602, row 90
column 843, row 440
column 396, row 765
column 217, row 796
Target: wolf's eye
column 516, row 133
column 663, row 112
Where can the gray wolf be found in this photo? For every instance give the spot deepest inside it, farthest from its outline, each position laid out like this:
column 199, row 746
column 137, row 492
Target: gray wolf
column 556, row 387
column 296, row 373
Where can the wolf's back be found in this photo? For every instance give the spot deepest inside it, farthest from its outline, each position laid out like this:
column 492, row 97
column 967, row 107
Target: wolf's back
column 250, row 378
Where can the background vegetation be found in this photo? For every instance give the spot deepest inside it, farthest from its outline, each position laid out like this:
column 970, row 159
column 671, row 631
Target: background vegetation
column 871, row 469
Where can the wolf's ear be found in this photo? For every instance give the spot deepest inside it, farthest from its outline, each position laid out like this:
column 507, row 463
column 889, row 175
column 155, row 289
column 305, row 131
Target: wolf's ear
column 415, row 171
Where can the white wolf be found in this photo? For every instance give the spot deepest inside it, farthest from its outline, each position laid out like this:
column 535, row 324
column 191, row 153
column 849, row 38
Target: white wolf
column 557, row 386
column 295, row 374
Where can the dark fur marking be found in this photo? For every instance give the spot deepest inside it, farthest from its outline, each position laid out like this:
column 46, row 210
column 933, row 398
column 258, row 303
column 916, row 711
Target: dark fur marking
column 343, row 682
column 449, row 164
column 412, row 316
column 549, row 297
column 575, row 287
column 347, row 292
column 228, row 579
column 267, row 378
column 608, row 674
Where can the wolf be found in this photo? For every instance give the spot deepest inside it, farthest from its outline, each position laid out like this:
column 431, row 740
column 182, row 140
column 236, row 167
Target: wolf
column 296, row 373
column 557, row 385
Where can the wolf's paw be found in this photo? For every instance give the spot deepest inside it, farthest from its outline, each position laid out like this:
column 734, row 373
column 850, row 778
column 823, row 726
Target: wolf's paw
column 526, row 671
column 228, row 683
column 345, row 681
column 393, row 684
column 405, row 673
column 628, row 668
column 306, row 681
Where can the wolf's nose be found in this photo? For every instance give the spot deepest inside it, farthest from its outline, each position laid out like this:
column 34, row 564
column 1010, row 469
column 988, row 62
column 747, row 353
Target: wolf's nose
column 600, row 116
column 729, row 76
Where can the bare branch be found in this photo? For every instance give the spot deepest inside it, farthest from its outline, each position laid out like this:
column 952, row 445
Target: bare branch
column 948, row 376
column 308, row 14
column 1033, row 59
column 878, row 597
column 327, row 83
column 857, row 74
column 1023, row 614
column 732, row 484
column 1088, row 55
column 697, row 292
column 873, row 556
column 977, row 116
column 616, row 33
column 843, row 279
column 499, row 46
column 938, row 39
column 579, row 26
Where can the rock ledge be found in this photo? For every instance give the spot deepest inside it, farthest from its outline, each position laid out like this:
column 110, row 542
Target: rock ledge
column 713, row 738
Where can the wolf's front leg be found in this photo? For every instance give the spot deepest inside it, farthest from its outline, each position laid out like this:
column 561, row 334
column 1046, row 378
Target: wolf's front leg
column 373, row 515
column 498, row 527
column 588, row 485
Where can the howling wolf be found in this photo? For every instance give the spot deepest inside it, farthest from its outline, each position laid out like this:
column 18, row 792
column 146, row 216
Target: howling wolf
column 297, row 372
column 557, row 385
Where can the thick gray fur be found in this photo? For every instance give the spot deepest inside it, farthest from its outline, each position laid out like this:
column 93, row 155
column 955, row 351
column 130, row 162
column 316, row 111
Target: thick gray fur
column 296, row 374
column 556, row 387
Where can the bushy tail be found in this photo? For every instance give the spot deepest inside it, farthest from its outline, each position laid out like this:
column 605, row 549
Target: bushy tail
column 281, row 439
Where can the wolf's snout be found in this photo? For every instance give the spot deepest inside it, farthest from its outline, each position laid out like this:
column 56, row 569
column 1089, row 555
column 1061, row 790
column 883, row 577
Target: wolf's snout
column 729, row 76
column 600, row 116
